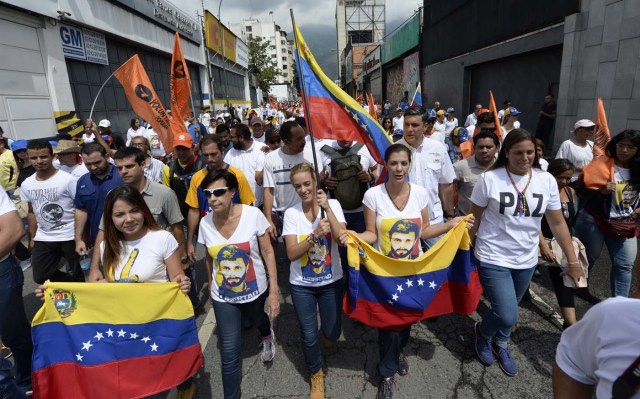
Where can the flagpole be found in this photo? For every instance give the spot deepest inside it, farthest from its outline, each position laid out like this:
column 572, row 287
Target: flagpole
column 97, row 94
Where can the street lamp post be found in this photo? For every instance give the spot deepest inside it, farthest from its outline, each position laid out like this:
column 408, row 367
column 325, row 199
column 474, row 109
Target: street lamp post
column 224, row 67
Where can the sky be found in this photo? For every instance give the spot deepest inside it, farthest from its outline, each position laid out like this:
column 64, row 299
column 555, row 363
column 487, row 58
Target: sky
column 316, row 19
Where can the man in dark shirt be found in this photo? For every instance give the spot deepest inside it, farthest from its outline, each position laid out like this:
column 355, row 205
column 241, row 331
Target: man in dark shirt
column 547, row 118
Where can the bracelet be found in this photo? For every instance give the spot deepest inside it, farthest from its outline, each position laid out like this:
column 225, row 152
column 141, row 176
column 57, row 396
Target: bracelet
column 573, row 263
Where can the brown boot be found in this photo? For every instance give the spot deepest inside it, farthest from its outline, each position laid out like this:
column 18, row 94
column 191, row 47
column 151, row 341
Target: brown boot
column 317, row 385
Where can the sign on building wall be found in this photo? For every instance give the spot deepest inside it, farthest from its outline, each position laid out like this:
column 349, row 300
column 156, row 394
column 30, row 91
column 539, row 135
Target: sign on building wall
column 410, row 73
column 83, row 44
column 242, row 54
column 214, row 34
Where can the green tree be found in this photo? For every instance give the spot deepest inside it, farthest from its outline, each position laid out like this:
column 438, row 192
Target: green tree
column 261, row 64
column 295, row 80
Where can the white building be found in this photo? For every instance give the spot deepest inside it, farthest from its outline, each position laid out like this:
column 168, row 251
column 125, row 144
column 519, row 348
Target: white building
column 56, row 54
column 280, row 49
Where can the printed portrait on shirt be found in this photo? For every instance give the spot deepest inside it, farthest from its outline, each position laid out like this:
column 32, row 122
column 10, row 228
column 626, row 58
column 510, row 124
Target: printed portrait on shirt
column 626, row 196
column 234, row 272
column 316, row 262
column 400, row 238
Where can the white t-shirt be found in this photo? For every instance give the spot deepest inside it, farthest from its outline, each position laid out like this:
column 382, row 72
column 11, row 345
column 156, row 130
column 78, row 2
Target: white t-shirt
column 431, row 166
column 76, row 171
column 398, row 123
column 237, row 258
column 440, row 127
column 579, row 156
column 321, row 262
column 449, row 125
column 625, row 199
column 366, row 160
column 204, row 118
column 87, row 140
column 600, row 347
column 471, row 120
column 277, row 166
column 437, row 136
column 134, row 133
column 6, row 206
column 52, row 202
column 143, row 260
column 157, row 149
column 398, row 231
column 544, row 164
column 504, row 238
column 249, row 162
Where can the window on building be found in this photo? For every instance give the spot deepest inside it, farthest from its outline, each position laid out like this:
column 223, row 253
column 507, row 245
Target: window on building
column 284, row 59
column 274, row 56
column 248, row 28
column 285, row 66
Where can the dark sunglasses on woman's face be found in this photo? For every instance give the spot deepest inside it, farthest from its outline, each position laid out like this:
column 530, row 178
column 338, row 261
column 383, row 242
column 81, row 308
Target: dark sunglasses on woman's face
column 275, row 141
column 216, row 192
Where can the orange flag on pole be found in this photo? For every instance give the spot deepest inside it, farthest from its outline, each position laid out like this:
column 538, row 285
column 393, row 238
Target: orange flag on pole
column 372, row 106
column 494, row 111
column 599, row 171
column 145, row 101
column 180, row 85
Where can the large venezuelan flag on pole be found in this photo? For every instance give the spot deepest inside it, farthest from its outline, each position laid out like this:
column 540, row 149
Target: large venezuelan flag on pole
column 392, row 293
column 332, row 113
column 113, row 341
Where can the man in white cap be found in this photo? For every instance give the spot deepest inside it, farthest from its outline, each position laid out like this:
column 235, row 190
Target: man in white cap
column 578, row 149
column 116, row 142
column 68, row 158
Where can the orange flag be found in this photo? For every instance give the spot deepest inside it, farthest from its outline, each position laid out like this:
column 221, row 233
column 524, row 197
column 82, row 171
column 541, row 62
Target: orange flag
column 180, row 84
column 601, row 135
column 466, row 148
column 145, row 101
column 272, row 102
column 494, row 111
column 372, row 106
column 599, row 171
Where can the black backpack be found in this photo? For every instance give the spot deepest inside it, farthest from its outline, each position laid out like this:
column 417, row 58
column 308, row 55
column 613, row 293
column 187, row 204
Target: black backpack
column 345, row 166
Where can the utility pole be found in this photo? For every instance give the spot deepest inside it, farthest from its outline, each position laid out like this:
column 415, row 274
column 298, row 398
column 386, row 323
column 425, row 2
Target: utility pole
column 224, row 68
column 206, row 54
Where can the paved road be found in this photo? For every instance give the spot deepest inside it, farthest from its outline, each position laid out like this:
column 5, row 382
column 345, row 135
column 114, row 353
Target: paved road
column 440, row 352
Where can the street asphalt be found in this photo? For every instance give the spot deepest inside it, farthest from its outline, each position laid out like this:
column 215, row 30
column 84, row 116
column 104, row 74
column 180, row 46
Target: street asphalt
column 441, row 354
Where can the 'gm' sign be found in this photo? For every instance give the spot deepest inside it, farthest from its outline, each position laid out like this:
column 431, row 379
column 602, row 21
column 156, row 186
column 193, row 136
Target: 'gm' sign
column 72, row 42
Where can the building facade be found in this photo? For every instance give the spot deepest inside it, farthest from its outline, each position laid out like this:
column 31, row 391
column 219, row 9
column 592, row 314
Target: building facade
column 58, row 54
column 576, row 50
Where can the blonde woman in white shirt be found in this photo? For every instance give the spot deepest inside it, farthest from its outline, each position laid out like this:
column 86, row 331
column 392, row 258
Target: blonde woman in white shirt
column 316, row 270
column 509, row 202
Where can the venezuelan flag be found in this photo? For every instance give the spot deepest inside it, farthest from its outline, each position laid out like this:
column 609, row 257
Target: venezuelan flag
column 332, row 112
column 113, row 340
column 392, row 293
column 417, row 97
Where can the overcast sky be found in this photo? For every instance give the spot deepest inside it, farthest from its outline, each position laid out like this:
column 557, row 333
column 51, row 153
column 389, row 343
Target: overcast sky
column 316, row 19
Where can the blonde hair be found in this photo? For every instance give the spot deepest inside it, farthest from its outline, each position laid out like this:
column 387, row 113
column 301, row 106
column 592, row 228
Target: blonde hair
column 303, row 168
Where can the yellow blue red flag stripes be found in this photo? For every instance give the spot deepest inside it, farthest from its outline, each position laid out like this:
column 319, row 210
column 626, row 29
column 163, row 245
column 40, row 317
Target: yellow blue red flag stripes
column 417, row 97
column 332, row 112
column 113, row 340
column 392, row 293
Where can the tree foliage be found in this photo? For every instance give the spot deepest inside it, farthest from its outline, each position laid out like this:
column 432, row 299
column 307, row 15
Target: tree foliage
column 295, row 80
column 261, row 64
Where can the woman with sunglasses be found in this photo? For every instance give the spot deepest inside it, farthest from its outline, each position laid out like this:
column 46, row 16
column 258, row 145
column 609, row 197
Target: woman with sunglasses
column 316, row 271
column 509, row 202
column 562, row 170
column 236, row 244
column 387, row 124
column 609, row 214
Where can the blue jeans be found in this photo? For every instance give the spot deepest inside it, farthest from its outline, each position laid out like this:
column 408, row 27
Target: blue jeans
column 306, row 302
column 390, row 345
column 504, row 288
column 228, row 316
column 621, row 250
column 15, row 329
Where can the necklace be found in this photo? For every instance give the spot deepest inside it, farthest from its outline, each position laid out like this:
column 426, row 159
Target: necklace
column 521, row 206
column 393, row 201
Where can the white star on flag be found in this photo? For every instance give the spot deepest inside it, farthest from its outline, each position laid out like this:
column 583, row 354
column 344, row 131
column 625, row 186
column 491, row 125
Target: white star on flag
column 400, row 289
column 154, row 347
column 433, row 285
column 79, row 357
column 109, row 332
column 133, row 336
column 121, row 333
column 394, row 297
column 409, row 283
column 98, row 336
column 145, row 339
column 420, row 282
column 86, row 345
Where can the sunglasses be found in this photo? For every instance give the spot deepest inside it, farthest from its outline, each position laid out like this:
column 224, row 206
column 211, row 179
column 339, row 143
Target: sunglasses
column 276, row 141
column 216, row 192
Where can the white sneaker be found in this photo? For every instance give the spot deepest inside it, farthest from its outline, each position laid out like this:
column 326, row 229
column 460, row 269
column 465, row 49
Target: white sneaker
column 268, row 348
column 25, row 264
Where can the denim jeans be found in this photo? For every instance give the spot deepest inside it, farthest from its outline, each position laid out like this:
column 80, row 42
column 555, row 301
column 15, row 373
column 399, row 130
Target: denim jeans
column 504, row 288
column 390, row 345
column 621, row 250
column 306, row 302
column 228, row 316
column 15, row 329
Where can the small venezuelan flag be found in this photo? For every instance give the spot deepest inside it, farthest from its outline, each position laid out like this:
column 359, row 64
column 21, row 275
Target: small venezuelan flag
column 113, row 340
column 392, row 293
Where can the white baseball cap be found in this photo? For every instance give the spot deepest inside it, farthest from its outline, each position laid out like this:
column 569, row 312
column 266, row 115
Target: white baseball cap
column 104, row 123
column 583, row 123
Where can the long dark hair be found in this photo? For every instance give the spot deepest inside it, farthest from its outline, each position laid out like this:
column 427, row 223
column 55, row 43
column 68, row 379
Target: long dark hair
column 515, row 136
column 113, row 238
column 559, row 166
column 634, row 165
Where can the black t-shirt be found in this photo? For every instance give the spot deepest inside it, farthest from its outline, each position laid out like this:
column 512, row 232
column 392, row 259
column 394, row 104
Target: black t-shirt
column 24, row 173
